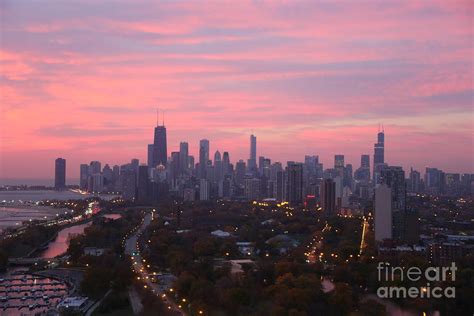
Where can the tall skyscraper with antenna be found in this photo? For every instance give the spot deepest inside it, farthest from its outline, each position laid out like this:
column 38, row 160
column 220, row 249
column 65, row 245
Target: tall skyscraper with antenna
column 379, row 155
column 159, row 150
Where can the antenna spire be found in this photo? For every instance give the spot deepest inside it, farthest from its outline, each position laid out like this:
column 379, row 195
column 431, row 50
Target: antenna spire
column 157, row 117
column 163, row 118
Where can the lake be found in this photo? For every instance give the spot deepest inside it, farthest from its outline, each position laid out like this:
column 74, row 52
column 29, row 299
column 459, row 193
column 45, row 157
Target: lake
column 40, row 195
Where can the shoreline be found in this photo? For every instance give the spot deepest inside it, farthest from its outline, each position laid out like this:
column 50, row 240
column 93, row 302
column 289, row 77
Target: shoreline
column 15, row 216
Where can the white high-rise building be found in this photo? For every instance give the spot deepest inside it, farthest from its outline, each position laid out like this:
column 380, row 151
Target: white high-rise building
column 383, row 212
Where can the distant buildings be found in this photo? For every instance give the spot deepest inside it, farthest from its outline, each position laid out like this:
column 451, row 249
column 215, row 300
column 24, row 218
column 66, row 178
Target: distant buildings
column 335, row 189
column 60, row 174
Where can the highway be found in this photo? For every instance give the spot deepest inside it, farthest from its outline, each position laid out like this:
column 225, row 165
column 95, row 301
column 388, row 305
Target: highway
column 132, row 249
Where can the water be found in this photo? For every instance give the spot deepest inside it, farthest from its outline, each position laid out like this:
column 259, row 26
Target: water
column 35, row 182
column 40, row 195
column 15, row 216
column 60, row 244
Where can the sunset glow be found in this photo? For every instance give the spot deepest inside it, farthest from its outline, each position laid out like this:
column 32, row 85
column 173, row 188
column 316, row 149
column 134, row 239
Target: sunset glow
column 82, row 80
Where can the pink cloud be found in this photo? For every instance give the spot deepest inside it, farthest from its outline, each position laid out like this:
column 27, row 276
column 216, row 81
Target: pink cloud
column 307, row 78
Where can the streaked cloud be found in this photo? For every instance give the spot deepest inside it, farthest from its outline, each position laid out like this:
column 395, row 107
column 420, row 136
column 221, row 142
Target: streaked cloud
column 308, row 77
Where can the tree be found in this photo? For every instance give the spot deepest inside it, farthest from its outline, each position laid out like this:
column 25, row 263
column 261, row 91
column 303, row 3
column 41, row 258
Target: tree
column 96, row 281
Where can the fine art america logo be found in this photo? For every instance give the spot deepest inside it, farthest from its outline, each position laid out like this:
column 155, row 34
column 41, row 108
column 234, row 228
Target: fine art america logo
column 431, row 280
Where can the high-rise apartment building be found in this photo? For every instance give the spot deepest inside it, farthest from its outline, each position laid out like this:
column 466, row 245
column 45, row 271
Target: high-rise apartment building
column 60, row 174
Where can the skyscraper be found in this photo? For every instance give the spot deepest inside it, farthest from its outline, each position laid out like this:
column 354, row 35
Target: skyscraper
column 365, row 161
column 128, row 183
column 217, row 166
column 383, row 213
column 328, row 196
column 252, row 189
column 142, row 185
column 95, row 167
column 226, row 163
column 160, row 149
column 394, row 178
column 204, row 188
column 252, row 162
column 338, row 161
column 203, row 157
column 183, row 157
column 362, row 174
column 310, row 166
column 150, row 156
column 339, row 164
column 83, row 176
column 294, row 183
column 433, row 180
column 60, row 174
column 415, row 181
column 240, row 172
column 108, row 178
column 379, row 156
column 175, row 165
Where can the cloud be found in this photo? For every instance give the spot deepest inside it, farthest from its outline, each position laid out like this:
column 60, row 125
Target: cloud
column 306, row 77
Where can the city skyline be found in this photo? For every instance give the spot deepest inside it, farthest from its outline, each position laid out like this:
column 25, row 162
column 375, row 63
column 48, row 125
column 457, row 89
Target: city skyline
column 330, row 161
column 310, row 78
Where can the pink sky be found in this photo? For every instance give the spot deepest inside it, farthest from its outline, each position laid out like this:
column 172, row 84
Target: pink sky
column 82, row 80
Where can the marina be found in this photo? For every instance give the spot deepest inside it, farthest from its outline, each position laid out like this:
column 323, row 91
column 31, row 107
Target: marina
column 21, row 291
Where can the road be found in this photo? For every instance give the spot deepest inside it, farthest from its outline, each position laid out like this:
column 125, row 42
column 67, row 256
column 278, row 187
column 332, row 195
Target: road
column 132, row 249
column 363, row 243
